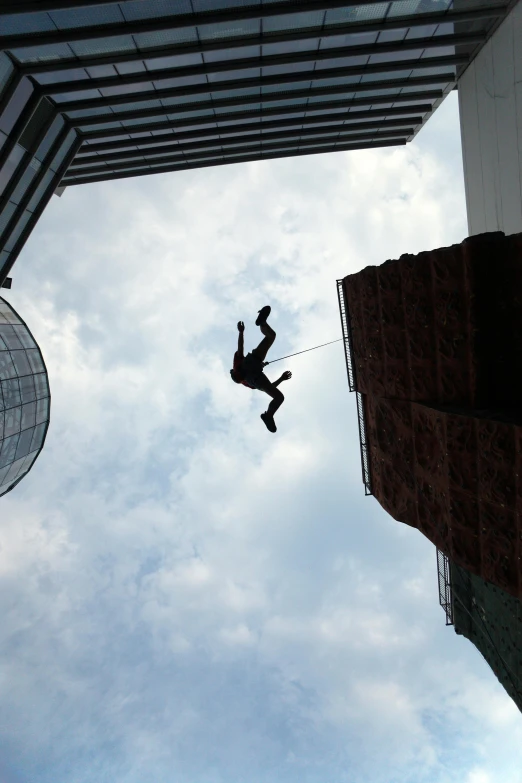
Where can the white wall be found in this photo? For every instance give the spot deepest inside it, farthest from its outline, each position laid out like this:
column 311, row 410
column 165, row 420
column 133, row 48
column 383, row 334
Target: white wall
column 490, row 100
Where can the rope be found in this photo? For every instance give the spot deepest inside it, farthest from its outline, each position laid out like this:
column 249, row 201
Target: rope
column 305, row 351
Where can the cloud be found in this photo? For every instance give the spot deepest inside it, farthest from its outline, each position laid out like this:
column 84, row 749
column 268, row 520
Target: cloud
column 183, row 595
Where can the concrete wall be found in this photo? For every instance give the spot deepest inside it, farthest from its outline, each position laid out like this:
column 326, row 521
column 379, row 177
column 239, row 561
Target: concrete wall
column 490, row 100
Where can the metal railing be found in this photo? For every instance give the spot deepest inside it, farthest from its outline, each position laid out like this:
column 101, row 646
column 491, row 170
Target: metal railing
column 352, row 384
column 445, row 591
column 346, row 335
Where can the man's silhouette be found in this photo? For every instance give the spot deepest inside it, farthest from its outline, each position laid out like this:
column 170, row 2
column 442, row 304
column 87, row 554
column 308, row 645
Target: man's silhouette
column 248, row 369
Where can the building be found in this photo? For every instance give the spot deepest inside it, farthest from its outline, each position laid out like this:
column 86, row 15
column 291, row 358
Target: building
column 93, row 90
column 489, row 617
column 24, row 399
column 434, row 352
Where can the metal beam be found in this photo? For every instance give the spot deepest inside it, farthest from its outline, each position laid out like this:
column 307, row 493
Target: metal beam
column 217, row 162
column 31, row 190
column 152, row 144
column 220, row 103
column 30, row 6
column 175, row 22
column 194, row 152
column 215, row 120
column 414, row 20
column 289, row 58
column 279, row 79
column 8, row 265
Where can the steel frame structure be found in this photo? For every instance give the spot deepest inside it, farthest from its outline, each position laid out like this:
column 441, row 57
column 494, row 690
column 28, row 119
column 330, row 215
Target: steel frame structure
column 148, row 94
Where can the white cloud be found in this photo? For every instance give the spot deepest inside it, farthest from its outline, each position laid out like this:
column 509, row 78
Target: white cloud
column 185, row 596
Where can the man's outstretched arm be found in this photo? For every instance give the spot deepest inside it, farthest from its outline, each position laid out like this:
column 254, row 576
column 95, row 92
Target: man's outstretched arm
column 240, row 341
column 285, row 377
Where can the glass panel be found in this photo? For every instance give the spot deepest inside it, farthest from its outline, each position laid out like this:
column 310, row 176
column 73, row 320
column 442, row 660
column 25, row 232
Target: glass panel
column 24, row 335
column 8, row 450
column 6, row 215
column 25, row 180
column 165, row 38
column 28, row 414
column 131, row 67
column 40, row 191
column 1, row 422
column 390, row 57
column 92, row 16
column 29, row 461
column 27, row 390
column 10, row 166
column 111, row 45
column 21, row 363
column 24, row 444
column 35, row 360
column 357, row 13
column 13, row 472
column 223, row 30
column 3, row 474
column 16, row 105
column 11, row 393
column 305, row 20
column 422, row 31
column 49, row 138
column 38, row 436
column 9, row 336
column 15, row 24
column 212, row 5
column 43, row 53
column 6, row 70
column 174, row 61
column 352, row 39
column 42, row 410
column 70, row 75
column 40, row 385
column 7, row 368
column 18, row 230
column 13, row 420
column 407, row 7
column 126, row 89
column 150, row 9
column 63, row 151
column 389, row 36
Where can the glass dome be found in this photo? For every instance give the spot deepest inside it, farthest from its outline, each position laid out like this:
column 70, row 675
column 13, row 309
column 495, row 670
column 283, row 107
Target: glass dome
column 25, row 400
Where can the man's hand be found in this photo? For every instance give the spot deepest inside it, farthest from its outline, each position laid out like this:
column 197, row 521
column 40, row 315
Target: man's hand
column 286, row 375
column 240, row 326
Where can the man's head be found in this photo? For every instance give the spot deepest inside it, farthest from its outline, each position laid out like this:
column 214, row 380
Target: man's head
column 235, row 376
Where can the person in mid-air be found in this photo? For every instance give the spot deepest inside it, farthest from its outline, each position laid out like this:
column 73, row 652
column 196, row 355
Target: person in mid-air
column 248, row 369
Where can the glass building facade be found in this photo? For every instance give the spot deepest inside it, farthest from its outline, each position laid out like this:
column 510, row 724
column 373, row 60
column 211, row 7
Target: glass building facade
column 93, row 90
column 24, row 399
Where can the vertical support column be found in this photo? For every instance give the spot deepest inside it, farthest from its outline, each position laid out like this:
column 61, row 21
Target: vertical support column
column 490, row 101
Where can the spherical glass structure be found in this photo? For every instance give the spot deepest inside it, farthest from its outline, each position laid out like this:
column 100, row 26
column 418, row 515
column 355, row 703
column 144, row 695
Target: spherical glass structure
column 25, row 401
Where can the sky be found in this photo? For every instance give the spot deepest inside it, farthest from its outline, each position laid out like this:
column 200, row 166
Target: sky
column 184, row 596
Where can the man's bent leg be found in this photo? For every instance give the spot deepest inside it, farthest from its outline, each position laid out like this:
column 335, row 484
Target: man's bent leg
column 276, row 394
column 265, row 344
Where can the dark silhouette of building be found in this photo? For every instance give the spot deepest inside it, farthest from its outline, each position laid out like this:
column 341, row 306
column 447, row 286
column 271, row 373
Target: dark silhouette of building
column 24, row 399
column 434, row 350
column 93, row 90
column 489, row 617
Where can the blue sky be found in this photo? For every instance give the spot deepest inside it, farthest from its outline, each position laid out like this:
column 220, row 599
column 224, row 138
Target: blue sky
column 186, row 598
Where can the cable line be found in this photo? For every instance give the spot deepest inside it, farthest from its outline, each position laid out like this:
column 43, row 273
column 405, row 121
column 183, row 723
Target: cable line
column 305, row 351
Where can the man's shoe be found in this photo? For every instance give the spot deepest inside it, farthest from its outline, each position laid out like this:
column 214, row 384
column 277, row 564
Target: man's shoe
column 269, row 422
column 263, row 315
